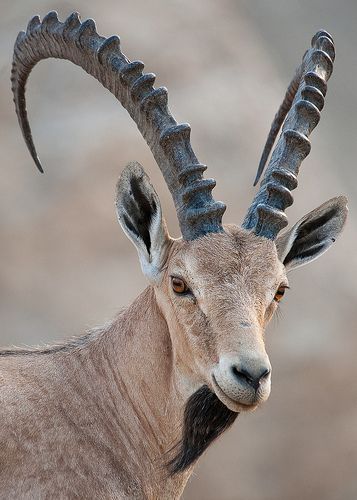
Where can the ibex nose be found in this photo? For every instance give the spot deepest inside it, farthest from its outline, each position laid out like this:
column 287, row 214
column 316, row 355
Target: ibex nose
column 252, row 376
column 243, row 379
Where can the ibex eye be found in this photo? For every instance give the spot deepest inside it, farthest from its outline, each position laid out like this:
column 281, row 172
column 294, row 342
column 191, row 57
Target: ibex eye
column 280, row 293
column 178, row 285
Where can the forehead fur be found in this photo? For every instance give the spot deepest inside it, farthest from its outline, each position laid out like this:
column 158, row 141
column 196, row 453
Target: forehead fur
column 236, row 252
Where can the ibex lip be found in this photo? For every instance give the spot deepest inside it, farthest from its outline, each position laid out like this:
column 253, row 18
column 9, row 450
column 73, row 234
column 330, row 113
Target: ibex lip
column 232, row 404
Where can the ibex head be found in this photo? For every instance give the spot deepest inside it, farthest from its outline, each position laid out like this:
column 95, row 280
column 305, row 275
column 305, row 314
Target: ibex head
column 219, row 291
column 218, row 286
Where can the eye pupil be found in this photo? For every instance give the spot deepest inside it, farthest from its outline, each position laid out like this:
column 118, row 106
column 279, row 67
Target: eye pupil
column 178, row 285
column 279, row 293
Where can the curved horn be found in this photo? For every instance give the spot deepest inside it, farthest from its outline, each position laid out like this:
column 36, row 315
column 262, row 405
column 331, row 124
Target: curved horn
column 101, row 57
column 278, row 121
column 266, row 215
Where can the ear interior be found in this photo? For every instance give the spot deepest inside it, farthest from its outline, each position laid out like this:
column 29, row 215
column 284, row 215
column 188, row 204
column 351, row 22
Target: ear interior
column 142, row 208
column 313, row 234
column 139, row 214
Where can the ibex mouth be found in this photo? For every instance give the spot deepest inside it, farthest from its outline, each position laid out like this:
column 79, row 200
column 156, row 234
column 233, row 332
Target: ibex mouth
column 236, row 405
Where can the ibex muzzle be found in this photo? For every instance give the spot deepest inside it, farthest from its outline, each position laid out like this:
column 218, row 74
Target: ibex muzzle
column 242, row 380
column 130, row 407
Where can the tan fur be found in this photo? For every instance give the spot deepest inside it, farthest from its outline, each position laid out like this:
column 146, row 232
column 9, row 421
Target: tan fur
column 98, row 419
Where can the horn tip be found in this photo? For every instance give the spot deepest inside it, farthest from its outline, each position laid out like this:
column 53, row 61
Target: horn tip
column 38, row 164
column 259, row 171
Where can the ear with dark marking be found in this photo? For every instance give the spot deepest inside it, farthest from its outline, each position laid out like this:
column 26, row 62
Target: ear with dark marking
column 139, row 214
column 313, row 234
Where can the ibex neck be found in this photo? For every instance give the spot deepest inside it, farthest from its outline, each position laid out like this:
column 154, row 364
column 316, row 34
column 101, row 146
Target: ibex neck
column 138, row 388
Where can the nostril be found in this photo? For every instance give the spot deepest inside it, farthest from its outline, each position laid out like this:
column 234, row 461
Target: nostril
column 242, row 375
column 265, row 373
column 254, row 381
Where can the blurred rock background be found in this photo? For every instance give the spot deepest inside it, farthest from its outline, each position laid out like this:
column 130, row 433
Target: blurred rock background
column 66, row 266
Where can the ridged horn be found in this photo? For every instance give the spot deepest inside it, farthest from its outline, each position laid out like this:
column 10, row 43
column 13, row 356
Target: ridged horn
column 301, row 106
column 198, row 213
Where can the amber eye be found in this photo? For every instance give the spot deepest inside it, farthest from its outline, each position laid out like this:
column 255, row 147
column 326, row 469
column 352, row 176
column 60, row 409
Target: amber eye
column 178, row 285
column 280, row 293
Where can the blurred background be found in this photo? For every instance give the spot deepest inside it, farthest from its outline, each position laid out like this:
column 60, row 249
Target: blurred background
column 66, row 266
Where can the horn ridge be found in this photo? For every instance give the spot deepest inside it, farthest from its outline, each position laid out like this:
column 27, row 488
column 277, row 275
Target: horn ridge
column 266, row 215
column 101, row 57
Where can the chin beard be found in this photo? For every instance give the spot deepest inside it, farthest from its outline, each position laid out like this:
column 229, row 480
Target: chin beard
column 205, row 418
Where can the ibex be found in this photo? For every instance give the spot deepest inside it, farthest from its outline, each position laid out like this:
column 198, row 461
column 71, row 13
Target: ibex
column 126, row 410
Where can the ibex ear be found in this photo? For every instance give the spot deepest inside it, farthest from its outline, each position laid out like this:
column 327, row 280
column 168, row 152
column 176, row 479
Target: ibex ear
column 139, row 214
column 313, row 234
